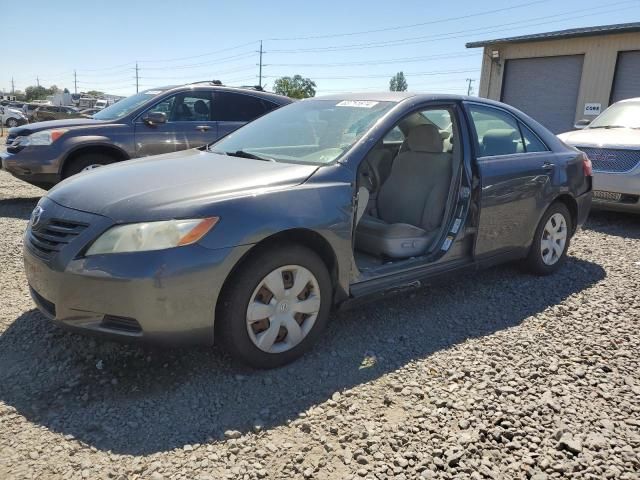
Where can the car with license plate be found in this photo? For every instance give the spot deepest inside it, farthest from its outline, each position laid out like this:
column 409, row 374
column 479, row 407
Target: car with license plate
column 252, row 241
column 148, row 123
column 612, row 142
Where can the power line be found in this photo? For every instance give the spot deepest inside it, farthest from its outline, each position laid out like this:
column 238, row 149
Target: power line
column 452, row 35
column 413, row 25
column 379, row 62
column 201, row 55
column 415, row 74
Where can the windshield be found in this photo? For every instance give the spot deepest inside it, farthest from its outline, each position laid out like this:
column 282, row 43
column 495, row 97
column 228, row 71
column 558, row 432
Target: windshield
column 128, row 105
column 619, row 115
column 311, row 131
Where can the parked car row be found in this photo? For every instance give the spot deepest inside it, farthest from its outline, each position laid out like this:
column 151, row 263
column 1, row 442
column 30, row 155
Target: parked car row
column 252, row 238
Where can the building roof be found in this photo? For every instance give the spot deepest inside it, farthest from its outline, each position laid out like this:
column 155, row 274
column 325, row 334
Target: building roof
column 570, row 33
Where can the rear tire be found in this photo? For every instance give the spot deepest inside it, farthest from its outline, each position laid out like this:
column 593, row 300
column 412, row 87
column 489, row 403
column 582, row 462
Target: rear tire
column 551, row 241
column 85, row 162
column 12, row 122
column 267, row 342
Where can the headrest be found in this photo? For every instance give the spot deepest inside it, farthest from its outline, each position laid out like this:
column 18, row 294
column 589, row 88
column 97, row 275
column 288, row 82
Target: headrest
column 425, row 138
column 201, row 107
column 499, row 142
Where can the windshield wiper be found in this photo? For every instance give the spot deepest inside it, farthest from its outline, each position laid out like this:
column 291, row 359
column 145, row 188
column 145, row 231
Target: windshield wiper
column 243, row 154
column 607, row 127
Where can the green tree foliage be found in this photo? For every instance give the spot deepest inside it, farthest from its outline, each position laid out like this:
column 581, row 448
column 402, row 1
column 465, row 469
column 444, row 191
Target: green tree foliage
column 38, row 92
column 95, row 93
column 295, row 87
column 398, row 83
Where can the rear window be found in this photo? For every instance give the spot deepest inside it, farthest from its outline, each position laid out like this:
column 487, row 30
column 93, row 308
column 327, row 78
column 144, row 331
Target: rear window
column 237, row 107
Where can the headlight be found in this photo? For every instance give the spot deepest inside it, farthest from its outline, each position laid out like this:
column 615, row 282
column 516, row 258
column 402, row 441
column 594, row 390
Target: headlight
column 139, row 237
column 45, row 137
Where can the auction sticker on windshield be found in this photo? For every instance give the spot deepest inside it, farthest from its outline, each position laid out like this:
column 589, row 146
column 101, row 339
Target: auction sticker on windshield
column 357, row 103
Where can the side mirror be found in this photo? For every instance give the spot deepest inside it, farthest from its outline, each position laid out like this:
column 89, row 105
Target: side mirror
column 580, row 124
column 155, row 118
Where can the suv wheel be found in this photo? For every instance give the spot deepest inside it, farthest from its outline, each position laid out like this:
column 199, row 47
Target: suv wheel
column 86, row 162
column 551, row 241
column 277, row 308
column 12, row 122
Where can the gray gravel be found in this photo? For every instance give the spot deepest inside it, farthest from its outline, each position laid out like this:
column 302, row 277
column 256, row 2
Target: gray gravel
column 493, row 375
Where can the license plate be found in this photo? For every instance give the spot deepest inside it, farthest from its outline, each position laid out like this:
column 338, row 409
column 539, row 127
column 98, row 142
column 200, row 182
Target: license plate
column 609, row 196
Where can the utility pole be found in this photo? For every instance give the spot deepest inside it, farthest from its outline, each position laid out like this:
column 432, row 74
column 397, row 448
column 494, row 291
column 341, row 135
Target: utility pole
column 260, row 69
column 469, row 89
column 38, row 81
column 75, row 82
column 13, row 87
column 137, row 77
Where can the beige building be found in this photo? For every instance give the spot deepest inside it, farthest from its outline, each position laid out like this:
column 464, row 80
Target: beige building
column 561, row 77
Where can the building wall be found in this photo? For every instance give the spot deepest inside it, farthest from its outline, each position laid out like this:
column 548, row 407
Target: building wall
column 600, row 55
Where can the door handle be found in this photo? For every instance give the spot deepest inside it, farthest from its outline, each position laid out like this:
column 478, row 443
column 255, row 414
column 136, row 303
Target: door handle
column 548, row 165
column 203, row 128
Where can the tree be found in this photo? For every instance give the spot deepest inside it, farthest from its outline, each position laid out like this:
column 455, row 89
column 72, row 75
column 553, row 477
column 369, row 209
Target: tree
column 398, row 83
column 66, row 90
column 95, row 93
column 36, row 93
column 295, row 87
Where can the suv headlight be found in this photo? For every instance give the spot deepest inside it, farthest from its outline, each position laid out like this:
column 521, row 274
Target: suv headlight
column 44, row 137
column 142, row 237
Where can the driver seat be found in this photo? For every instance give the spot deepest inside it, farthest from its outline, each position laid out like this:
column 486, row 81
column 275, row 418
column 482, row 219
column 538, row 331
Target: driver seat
column 412, row 201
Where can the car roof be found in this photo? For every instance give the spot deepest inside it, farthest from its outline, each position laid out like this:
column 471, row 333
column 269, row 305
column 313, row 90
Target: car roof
column 274, row 97
column 402, row 96
column 629, row 100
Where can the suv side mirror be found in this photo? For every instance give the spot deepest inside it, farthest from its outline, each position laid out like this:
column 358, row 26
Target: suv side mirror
column 580, row 124
column 155, row 118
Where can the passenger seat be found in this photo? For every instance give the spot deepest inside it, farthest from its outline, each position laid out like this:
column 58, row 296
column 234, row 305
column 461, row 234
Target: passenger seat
column 411, row 203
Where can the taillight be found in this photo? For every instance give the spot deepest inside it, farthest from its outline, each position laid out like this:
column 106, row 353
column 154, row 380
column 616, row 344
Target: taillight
column 587, row 167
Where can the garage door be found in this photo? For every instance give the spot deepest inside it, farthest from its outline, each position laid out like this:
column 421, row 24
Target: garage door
column 626, row 83
column 544, row 88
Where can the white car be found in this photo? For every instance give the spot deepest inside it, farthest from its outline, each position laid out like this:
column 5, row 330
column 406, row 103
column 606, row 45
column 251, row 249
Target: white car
column 612, row 142
column 12, row 117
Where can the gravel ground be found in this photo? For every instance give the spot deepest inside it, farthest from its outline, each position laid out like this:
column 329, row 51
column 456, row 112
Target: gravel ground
column 494, row 375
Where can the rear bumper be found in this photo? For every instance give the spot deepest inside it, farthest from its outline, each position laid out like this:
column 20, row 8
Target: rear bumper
column 167, row 296
column 584, row 202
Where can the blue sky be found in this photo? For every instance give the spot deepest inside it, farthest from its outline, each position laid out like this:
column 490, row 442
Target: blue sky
column 342, row 45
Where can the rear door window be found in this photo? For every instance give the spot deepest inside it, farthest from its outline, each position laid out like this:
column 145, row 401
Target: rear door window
column 497, row 132
column 237, row 107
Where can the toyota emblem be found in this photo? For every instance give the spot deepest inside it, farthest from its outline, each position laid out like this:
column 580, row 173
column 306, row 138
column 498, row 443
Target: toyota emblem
column 35, row 215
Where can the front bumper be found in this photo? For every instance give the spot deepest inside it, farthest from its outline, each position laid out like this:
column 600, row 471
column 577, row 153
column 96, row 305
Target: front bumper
column 36, row 165
column 166, row 296
column 627, row 185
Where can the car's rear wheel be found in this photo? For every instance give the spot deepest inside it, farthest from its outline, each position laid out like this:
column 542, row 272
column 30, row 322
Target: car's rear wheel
column 12, row 122
column 551, row 240
column 275, row 307
column 86, row 162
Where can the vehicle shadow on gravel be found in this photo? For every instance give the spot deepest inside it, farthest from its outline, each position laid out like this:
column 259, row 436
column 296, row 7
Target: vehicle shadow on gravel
column 139, row 400
column 614, row 223
column 20, row 208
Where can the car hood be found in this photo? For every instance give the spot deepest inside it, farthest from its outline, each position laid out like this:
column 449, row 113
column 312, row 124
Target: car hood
column 173, row 185
column 67, row 123
column 602, row 137
column 14, row 111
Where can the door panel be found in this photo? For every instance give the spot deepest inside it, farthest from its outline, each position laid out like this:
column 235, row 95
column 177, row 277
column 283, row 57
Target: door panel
column 188, row 125
column 516, row 180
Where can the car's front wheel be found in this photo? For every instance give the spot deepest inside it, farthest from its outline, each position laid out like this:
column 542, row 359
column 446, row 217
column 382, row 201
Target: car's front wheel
column 551, row 240
column 12, row 122
column 86, row 162
column 275, row 307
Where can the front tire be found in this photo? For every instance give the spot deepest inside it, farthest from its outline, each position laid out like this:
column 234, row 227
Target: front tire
column 275, row 308
column 12, row 122
column 86, row 162
column 551, row 241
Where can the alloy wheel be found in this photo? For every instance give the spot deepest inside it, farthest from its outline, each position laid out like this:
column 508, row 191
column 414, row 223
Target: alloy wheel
column 283, row 309
column 554, row 239
column 12, row 122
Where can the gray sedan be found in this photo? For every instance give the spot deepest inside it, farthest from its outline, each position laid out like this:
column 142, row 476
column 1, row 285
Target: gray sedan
column 324, row 202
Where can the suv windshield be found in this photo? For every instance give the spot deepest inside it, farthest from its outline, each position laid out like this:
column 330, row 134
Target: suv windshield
column 310, row 131
column 619, row 115
column 126, row 106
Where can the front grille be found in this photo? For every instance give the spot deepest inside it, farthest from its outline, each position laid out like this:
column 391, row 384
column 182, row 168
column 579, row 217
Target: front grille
column 609, row 160
column 47, row 238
